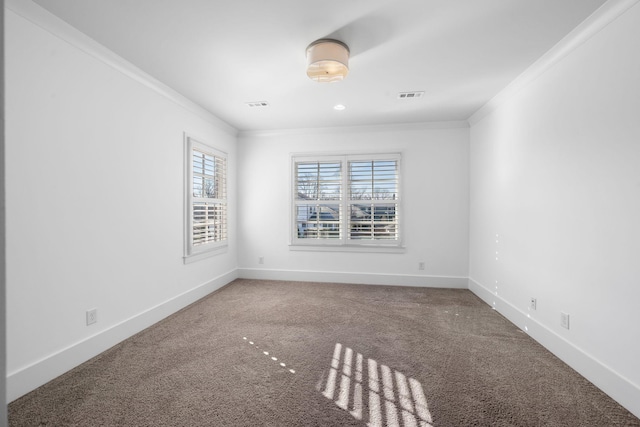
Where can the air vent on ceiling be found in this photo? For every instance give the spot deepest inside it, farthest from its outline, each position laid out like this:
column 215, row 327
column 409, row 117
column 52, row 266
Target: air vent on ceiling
column 410, row 95
column 257, row 104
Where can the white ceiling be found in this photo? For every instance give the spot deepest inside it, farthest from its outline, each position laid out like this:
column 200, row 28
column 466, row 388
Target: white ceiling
column 223, row 54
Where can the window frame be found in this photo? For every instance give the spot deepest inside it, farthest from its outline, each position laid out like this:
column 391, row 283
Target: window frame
column 196, row 252
column 344, row 243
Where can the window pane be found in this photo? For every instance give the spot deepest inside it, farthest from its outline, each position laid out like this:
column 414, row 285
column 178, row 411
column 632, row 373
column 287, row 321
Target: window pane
column 208, row 181
column 208, row 165
column 316, row 221
column 210, row 188
column 198, row 162
column 373, row 180
column 209, row 173
column 203, row 163
column 197, row 186
column 209, row 222
column 373, row 222
column 318, row 181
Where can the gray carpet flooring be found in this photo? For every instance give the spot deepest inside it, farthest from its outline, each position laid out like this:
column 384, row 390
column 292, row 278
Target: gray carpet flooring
column 268, row 353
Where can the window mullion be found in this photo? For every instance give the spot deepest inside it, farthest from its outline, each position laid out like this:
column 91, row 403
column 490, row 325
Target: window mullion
column 345, row 197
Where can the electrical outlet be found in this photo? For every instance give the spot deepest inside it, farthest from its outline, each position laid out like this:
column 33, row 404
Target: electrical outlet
column 92, row 316
column 421, row 265
column 564, row 320
column 533, row 303
column 261, row 260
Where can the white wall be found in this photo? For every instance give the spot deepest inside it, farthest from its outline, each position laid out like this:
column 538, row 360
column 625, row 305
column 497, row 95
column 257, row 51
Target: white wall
column 94, row 191
column 435, row 201
column 94, row 203
column 555, row 208
column 3, row 276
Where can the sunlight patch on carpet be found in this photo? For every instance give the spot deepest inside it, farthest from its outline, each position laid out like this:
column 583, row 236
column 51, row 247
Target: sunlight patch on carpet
column 266, row 353
column 385, row 398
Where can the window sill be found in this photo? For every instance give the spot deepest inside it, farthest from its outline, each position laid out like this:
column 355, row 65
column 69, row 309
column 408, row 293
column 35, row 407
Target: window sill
column 198, row 256
column 349, row 248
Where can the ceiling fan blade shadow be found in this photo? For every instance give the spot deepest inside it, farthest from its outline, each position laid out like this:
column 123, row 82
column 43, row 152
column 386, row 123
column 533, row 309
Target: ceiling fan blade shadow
column 364, row 33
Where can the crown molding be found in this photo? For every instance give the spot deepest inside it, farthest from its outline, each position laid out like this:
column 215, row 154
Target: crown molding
column 603, row 16
column 44, row 19
column 394, row 127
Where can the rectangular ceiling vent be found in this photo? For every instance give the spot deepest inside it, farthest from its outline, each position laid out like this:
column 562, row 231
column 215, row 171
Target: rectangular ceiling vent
column 257, row 104
column 410, row 95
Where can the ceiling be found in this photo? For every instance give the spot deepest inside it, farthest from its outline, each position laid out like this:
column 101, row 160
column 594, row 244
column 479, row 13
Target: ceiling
column 224, row 54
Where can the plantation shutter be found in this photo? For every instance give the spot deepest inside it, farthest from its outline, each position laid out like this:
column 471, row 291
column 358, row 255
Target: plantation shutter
column 347, row 200
column 317, row 201
column 373, row 200
column 209, row 198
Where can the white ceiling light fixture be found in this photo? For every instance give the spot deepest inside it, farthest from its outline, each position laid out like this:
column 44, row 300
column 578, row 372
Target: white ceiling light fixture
column 327, row 60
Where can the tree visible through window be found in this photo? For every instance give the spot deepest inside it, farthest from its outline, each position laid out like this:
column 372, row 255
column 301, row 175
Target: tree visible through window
column 347, row 200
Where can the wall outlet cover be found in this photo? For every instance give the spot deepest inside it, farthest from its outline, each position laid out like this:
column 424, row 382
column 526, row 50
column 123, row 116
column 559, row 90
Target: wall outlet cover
column 92, row 316
column 564, row 320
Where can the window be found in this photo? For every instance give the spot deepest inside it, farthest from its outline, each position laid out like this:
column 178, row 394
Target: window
column 206, row 199
column 346, row 200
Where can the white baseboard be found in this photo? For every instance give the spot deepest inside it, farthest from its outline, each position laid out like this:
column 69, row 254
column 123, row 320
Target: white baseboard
column 358, row 278
column 615, row 385
column 22, row 381
column 606, row 379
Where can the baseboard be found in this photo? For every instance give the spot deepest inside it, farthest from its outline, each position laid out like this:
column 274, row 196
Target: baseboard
column 33, row 376
column 358, row 278
column 606, row 379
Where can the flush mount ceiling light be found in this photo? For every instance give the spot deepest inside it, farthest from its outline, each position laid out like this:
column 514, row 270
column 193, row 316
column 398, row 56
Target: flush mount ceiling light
column 327, row 60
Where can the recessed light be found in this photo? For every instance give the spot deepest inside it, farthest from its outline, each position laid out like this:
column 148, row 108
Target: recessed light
column 339, row 107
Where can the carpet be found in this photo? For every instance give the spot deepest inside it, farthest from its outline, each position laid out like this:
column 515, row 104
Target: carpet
column 272, row 353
